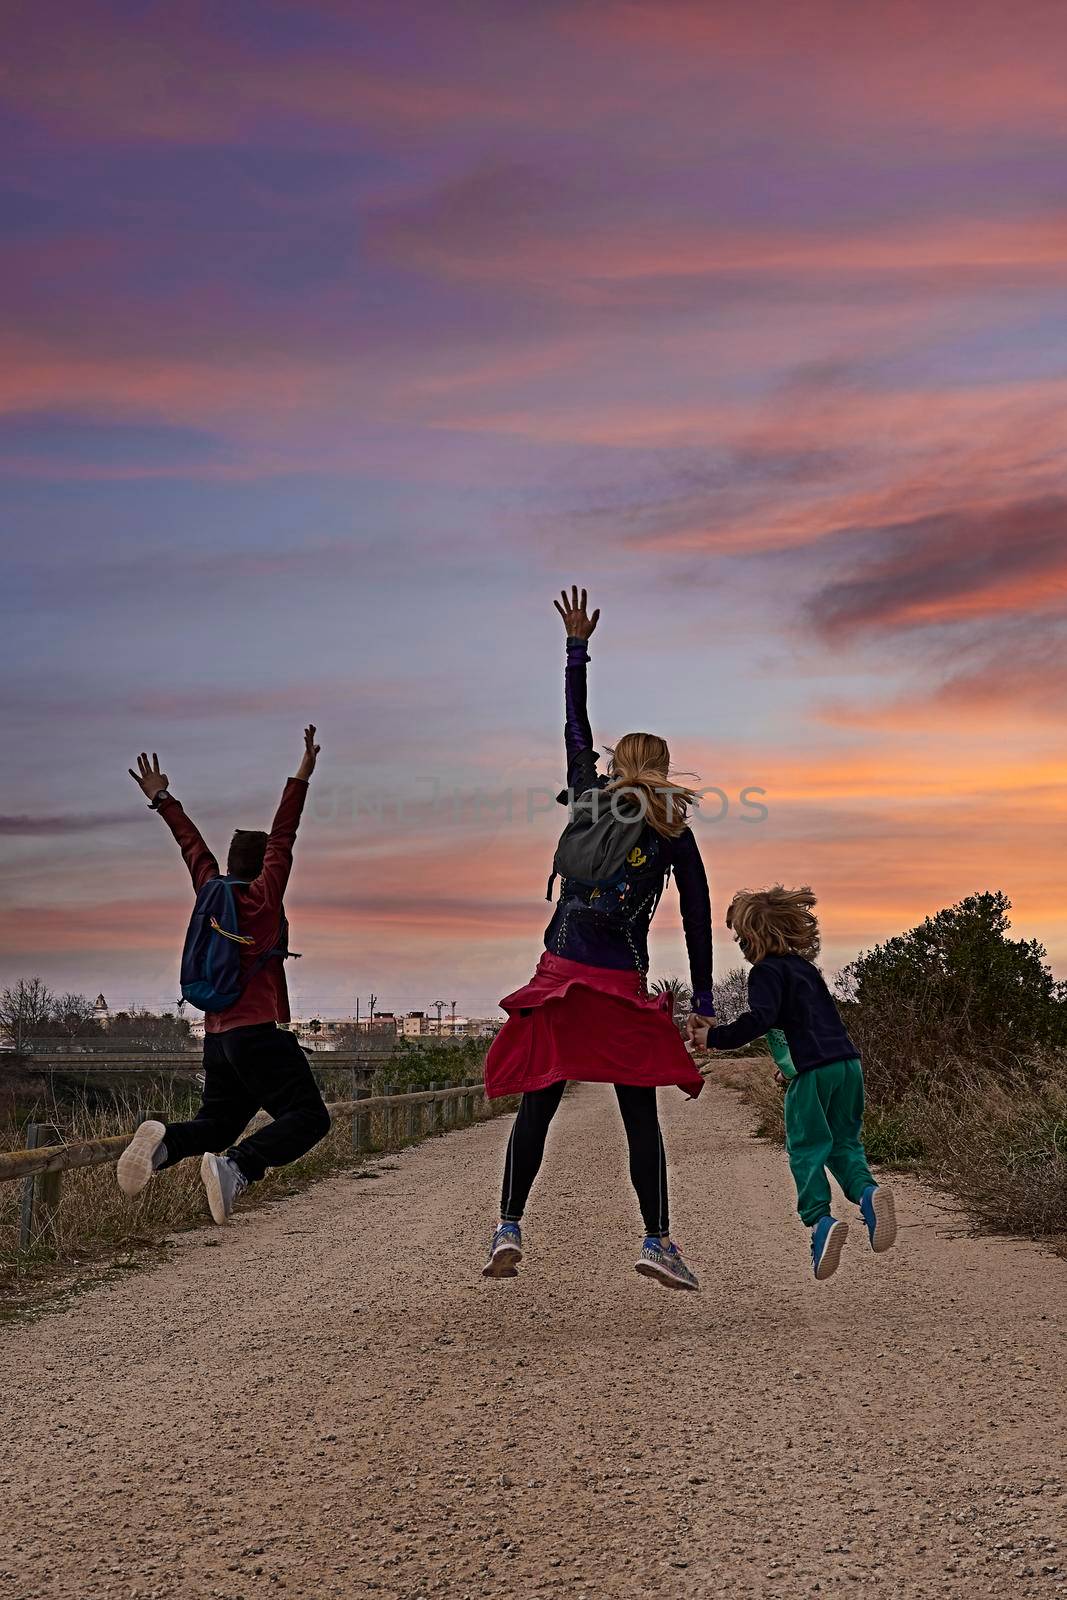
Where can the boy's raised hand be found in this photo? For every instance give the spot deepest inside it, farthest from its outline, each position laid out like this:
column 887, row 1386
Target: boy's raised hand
column 310, row 756
column 148, row 775
column 576, row 620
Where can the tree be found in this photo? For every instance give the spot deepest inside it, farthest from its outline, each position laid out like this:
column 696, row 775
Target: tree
column 148, row 1030
column 731, row 995
column 74, row 1015
column 681, row 996
column 962, row 966
column 25, row 1009
column 953, row 986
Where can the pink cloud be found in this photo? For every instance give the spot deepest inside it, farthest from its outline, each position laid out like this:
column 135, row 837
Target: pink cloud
column 967, row 66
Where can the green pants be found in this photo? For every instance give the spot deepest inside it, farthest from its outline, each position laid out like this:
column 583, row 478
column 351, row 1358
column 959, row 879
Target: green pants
column 823, row 1119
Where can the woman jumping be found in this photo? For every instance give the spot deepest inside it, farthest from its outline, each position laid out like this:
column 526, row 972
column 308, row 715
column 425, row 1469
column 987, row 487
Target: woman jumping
column 586, row 1014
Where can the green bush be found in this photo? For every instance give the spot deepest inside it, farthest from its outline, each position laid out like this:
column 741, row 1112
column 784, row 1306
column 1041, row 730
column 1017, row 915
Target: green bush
column 413, row 1066
column 954, row 990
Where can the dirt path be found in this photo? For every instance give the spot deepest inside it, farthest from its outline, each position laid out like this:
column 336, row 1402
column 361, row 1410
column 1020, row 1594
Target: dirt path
column 328, row 1400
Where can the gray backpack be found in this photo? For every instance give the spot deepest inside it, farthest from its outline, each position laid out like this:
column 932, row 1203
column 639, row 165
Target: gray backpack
column 599, row 841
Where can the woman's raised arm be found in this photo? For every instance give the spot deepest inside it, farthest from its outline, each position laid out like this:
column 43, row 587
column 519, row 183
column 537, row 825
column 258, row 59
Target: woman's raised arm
column 577, row 733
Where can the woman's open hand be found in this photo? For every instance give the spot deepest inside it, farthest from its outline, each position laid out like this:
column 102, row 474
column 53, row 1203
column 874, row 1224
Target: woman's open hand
column 576, row 620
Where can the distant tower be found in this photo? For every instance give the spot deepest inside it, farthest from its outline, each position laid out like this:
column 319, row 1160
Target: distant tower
column 100, row 1011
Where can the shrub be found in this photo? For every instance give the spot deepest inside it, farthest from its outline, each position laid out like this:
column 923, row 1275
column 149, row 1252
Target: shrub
column 948, row 992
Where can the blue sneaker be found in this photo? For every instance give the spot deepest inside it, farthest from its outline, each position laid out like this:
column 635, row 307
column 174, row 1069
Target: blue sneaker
column 880, row 1216
column 505, row 1252
column 827, row 1242
column 664, row 1263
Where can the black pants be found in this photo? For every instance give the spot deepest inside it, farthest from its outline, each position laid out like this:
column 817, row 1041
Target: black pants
column 648, row 1163
column 259, row 1068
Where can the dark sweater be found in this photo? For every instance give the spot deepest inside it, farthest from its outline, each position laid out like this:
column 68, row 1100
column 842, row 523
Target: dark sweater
column 788, row 992
column 608, row 942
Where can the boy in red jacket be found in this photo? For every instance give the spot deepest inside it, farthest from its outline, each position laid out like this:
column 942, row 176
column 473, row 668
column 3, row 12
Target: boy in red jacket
column 250, row 1063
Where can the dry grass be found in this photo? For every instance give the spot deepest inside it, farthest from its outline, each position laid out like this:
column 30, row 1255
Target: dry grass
column 997, row 1140
column 97, row 1227
column 1000, row 1144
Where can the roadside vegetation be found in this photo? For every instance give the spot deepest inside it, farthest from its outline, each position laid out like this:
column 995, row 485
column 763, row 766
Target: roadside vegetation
column 98, row 1230
column 963, row 1033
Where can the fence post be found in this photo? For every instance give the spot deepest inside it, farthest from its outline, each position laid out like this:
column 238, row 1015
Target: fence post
column 40, row 1192
column 390, row 1117
column 360, row 1131
column 413, row 1112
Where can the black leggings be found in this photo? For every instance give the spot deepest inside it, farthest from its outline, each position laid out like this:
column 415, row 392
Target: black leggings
column 648, row 1163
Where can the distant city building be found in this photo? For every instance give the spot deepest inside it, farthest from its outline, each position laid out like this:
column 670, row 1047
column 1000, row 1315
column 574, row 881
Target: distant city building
column 321, row 1034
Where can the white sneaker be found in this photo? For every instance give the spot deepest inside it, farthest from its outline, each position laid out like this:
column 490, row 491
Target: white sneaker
column 225, row 1184
column 144, row 1154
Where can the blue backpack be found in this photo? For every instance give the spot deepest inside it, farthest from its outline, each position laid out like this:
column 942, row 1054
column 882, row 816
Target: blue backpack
column 211, row 958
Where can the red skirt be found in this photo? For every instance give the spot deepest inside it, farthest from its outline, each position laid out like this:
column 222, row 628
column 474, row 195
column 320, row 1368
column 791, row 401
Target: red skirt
column 587, row 1024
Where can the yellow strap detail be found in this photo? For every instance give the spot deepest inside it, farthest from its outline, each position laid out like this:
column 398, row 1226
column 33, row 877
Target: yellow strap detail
column 236, row 937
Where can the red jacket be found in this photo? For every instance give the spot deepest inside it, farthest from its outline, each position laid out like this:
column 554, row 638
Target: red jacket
column 259, row 906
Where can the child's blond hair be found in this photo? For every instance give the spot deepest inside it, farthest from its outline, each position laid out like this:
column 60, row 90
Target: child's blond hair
column 774, row 922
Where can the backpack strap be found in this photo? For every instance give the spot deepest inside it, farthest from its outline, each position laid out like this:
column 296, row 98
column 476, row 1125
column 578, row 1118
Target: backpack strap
column 663, row 882
column 237, row 938
column 268, row 955
column 551, row 881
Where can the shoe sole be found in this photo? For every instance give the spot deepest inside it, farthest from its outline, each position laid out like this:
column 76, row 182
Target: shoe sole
column 884, row 1233
column 209, row 1177
column 135, row 1163
column 830, row 1259
column 648, row 1269
column 503, row 1263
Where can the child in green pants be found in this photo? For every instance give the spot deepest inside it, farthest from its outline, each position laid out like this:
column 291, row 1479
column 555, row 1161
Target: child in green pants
column 816, row 1061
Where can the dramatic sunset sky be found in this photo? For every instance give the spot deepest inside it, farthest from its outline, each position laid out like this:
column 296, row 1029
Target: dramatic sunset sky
column 335, row 336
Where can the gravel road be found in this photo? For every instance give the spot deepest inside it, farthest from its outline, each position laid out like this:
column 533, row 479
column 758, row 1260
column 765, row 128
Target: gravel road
column 326, row 1399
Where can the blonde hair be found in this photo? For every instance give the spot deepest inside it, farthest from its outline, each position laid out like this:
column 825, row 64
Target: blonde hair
column 640, row 764
column 774, row 922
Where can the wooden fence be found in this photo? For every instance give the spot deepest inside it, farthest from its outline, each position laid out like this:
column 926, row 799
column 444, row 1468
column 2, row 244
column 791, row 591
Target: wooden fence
column 377, row 1122
column 85, row 1063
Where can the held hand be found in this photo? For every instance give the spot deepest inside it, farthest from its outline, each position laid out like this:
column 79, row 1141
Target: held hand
column 576, row 620
column 697, row 1028
column 780, row 1079
column 148, row 776
column 310, row 756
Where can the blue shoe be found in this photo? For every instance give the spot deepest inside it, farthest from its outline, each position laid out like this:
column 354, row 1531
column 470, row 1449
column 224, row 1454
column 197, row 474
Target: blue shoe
column 827, row 1242
column 880, row 1215
column 505, row 1252
column 664, row 1263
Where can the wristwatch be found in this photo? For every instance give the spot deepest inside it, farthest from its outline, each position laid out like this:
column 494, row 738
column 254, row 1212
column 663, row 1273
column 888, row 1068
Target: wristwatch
column 158, row 798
